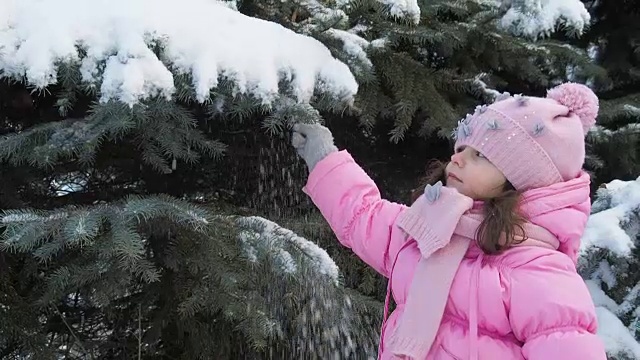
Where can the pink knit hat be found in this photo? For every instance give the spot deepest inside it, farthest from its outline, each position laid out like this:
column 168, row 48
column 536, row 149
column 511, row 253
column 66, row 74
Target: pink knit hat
column 534, row 141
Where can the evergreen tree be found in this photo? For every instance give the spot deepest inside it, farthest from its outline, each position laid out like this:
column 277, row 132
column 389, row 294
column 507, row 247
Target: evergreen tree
column 133, row 168
column 613, row 43
column 105, row 254
column 610, row 256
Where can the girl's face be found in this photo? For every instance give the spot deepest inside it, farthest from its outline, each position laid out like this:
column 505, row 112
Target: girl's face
column 474, row 175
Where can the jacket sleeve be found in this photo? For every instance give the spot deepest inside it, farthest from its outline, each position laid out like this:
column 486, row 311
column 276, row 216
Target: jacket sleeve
column 551, row 311
column 350, row 201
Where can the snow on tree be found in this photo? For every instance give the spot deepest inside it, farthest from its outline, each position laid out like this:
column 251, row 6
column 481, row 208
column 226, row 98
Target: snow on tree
column 540, row 18
column 609, row 264
column 325, row 324
column 115, row 53
column 270, row 235
column 403, row 9
column 107, row 270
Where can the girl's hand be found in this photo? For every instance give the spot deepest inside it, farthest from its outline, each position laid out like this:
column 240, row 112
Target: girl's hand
column 313, row 142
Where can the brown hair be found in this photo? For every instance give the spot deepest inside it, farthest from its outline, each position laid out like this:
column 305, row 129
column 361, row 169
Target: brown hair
column 502, row 226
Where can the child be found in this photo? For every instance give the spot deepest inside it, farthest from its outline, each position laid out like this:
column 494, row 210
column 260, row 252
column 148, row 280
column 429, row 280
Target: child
column 484, row 267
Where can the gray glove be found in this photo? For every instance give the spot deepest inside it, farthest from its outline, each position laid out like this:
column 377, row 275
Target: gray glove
column 313, row 142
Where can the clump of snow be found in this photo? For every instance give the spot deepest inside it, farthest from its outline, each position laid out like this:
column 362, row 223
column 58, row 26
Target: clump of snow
column 534, row 18
column 353, row 45
column 616, row 337
column 632, row 109
column 600, row 133
column 323, row 13
column 606, row 273
column 599, row 297
column 404, row 8
column 359, row 28
column 252, row 254
column 606, row 227
column 204, row 38
column 10, row 217
column 486, row 90
column 272, row 235
column 286, row 261
column 629, row 302
column 493, row 3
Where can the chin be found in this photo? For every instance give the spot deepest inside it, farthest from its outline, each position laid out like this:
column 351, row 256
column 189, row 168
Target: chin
column 453, row 184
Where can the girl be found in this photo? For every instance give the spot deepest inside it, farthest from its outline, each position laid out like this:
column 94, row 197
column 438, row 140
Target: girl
column 484, row 266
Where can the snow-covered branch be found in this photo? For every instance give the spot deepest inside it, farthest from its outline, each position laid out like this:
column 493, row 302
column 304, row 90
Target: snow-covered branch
column 607, row 258
column 404, row 9
column 131, row 49
column 538, row 18
column 262, row 237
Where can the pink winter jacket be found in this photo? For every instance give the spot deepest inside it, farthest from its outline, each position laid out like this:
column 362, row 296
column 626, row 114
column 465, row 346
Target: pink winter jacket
column 530, row 301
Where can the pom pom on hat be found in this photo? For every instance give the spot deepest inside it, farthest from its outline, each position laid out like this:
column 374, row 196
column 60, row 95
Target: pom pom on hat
column 579, row 99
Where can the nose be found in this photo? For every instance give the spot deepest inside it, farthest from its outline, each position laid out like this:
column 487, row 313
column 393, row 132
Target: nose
column 458, row 158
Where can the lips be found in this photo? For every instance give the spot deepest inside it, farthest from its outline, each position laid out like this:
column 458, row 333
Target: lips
column 453, row 176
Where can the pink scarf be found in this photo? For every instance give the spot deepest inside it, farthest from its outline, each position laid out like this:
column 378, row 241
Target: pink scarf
column 443, row 226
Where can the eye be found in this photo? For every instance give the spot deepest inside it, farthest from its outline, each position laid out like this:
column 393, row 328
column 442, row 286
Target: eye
column 480, row 155
column 459, row 149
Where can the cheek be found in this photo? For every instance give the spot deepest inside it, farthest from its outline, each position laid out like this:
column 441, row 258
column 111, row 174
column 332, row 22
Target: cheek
column 495, row 184
column 487, row 186
column 478, row 189
column 499, row 180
